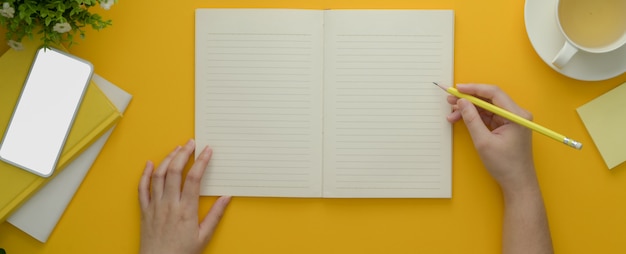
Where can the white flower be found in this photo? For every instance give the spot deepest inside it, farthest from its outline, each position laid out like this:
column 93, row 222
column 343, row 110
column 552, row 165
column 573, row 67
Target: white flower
column 62, row 27
column 7, row 11
column 106, row 4
column 17, row 46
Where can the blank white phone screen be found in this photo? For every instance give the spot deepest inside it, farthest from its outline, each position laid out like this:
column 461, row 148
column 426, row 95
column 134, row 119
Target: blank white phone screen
column 45, row 111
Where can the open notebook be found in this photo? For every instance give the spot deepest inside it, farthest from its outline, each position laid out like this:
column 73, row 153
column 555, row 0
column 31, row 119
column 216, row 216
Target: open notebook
column 334, row 103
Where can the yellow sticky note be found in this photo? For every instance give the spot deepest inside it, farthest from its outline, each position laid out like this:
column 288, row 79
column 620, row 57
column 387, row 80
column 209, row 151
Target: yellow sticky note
column 605, row 120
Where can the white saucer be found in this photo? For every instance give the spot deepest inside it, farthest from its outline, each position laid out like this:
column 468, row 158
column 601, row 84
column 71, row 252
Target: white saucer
column 546, row 38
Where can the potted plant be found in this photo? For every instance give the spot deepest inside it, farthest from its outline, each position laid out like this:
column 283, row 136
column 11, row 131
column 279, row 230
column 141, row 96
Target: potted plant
column 54, row 21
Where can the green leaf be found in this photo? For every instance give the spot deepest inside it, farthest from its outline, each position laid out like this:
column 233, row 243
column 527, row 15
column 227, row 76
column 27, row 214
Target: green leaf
column 39, row 16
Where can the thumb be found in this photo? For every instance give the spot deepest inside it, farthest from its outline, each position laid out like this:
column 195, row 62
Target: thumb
column 473, row 121
column 213, row 217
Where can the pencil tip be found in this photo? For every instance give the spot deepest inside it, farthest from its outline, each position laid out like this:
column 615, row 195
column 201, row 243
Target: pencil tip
column 439, row 86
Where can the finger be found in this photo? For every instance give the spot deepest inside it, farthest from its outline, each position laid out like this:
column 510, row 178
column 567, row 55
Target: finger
column 494, row 94
column 158, row 177
column 455, row 116
column 191, row 190
column 452, row 99
column 210, row 221
column 144, row 186
column 175, row 168
column 474, row 122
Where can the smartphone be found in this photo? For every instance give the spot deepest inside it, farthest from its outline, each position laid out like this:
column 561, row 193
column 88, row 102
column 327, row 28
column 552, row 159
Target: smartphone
column 45, row 111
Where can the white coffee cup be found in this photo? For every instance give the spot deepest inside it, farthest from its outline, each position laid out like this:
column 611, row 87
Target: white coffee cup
column 593, row 26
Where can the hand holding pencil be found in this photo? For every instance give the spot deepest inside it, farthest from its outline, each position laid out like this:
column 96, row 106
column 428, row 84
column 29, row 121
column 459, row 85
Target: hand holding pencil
column 505, row 149
column 511, row 116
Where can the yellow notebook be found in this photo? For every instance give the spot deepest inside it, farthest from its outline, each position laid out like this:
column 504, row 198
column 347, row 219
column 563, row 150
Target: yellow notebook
column 95, row 116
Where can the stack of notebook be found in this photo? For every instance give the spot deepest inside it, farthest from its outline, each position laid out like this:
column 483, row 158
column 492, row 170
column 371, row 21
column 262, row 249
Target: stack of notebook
column 36, row 212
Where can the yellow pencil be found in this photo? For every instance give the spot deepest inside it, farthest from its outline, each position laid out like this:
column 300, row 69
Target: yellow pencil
column 513, row 117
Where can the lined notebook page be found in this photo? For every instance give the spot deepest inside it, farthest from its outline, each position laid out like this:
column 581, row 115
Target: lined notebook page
column 258, row 101
column 385, row 132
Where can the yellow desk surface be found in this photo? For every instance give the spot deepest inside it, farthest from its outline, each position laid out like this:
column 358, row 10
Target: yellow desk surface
column 149, row 52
